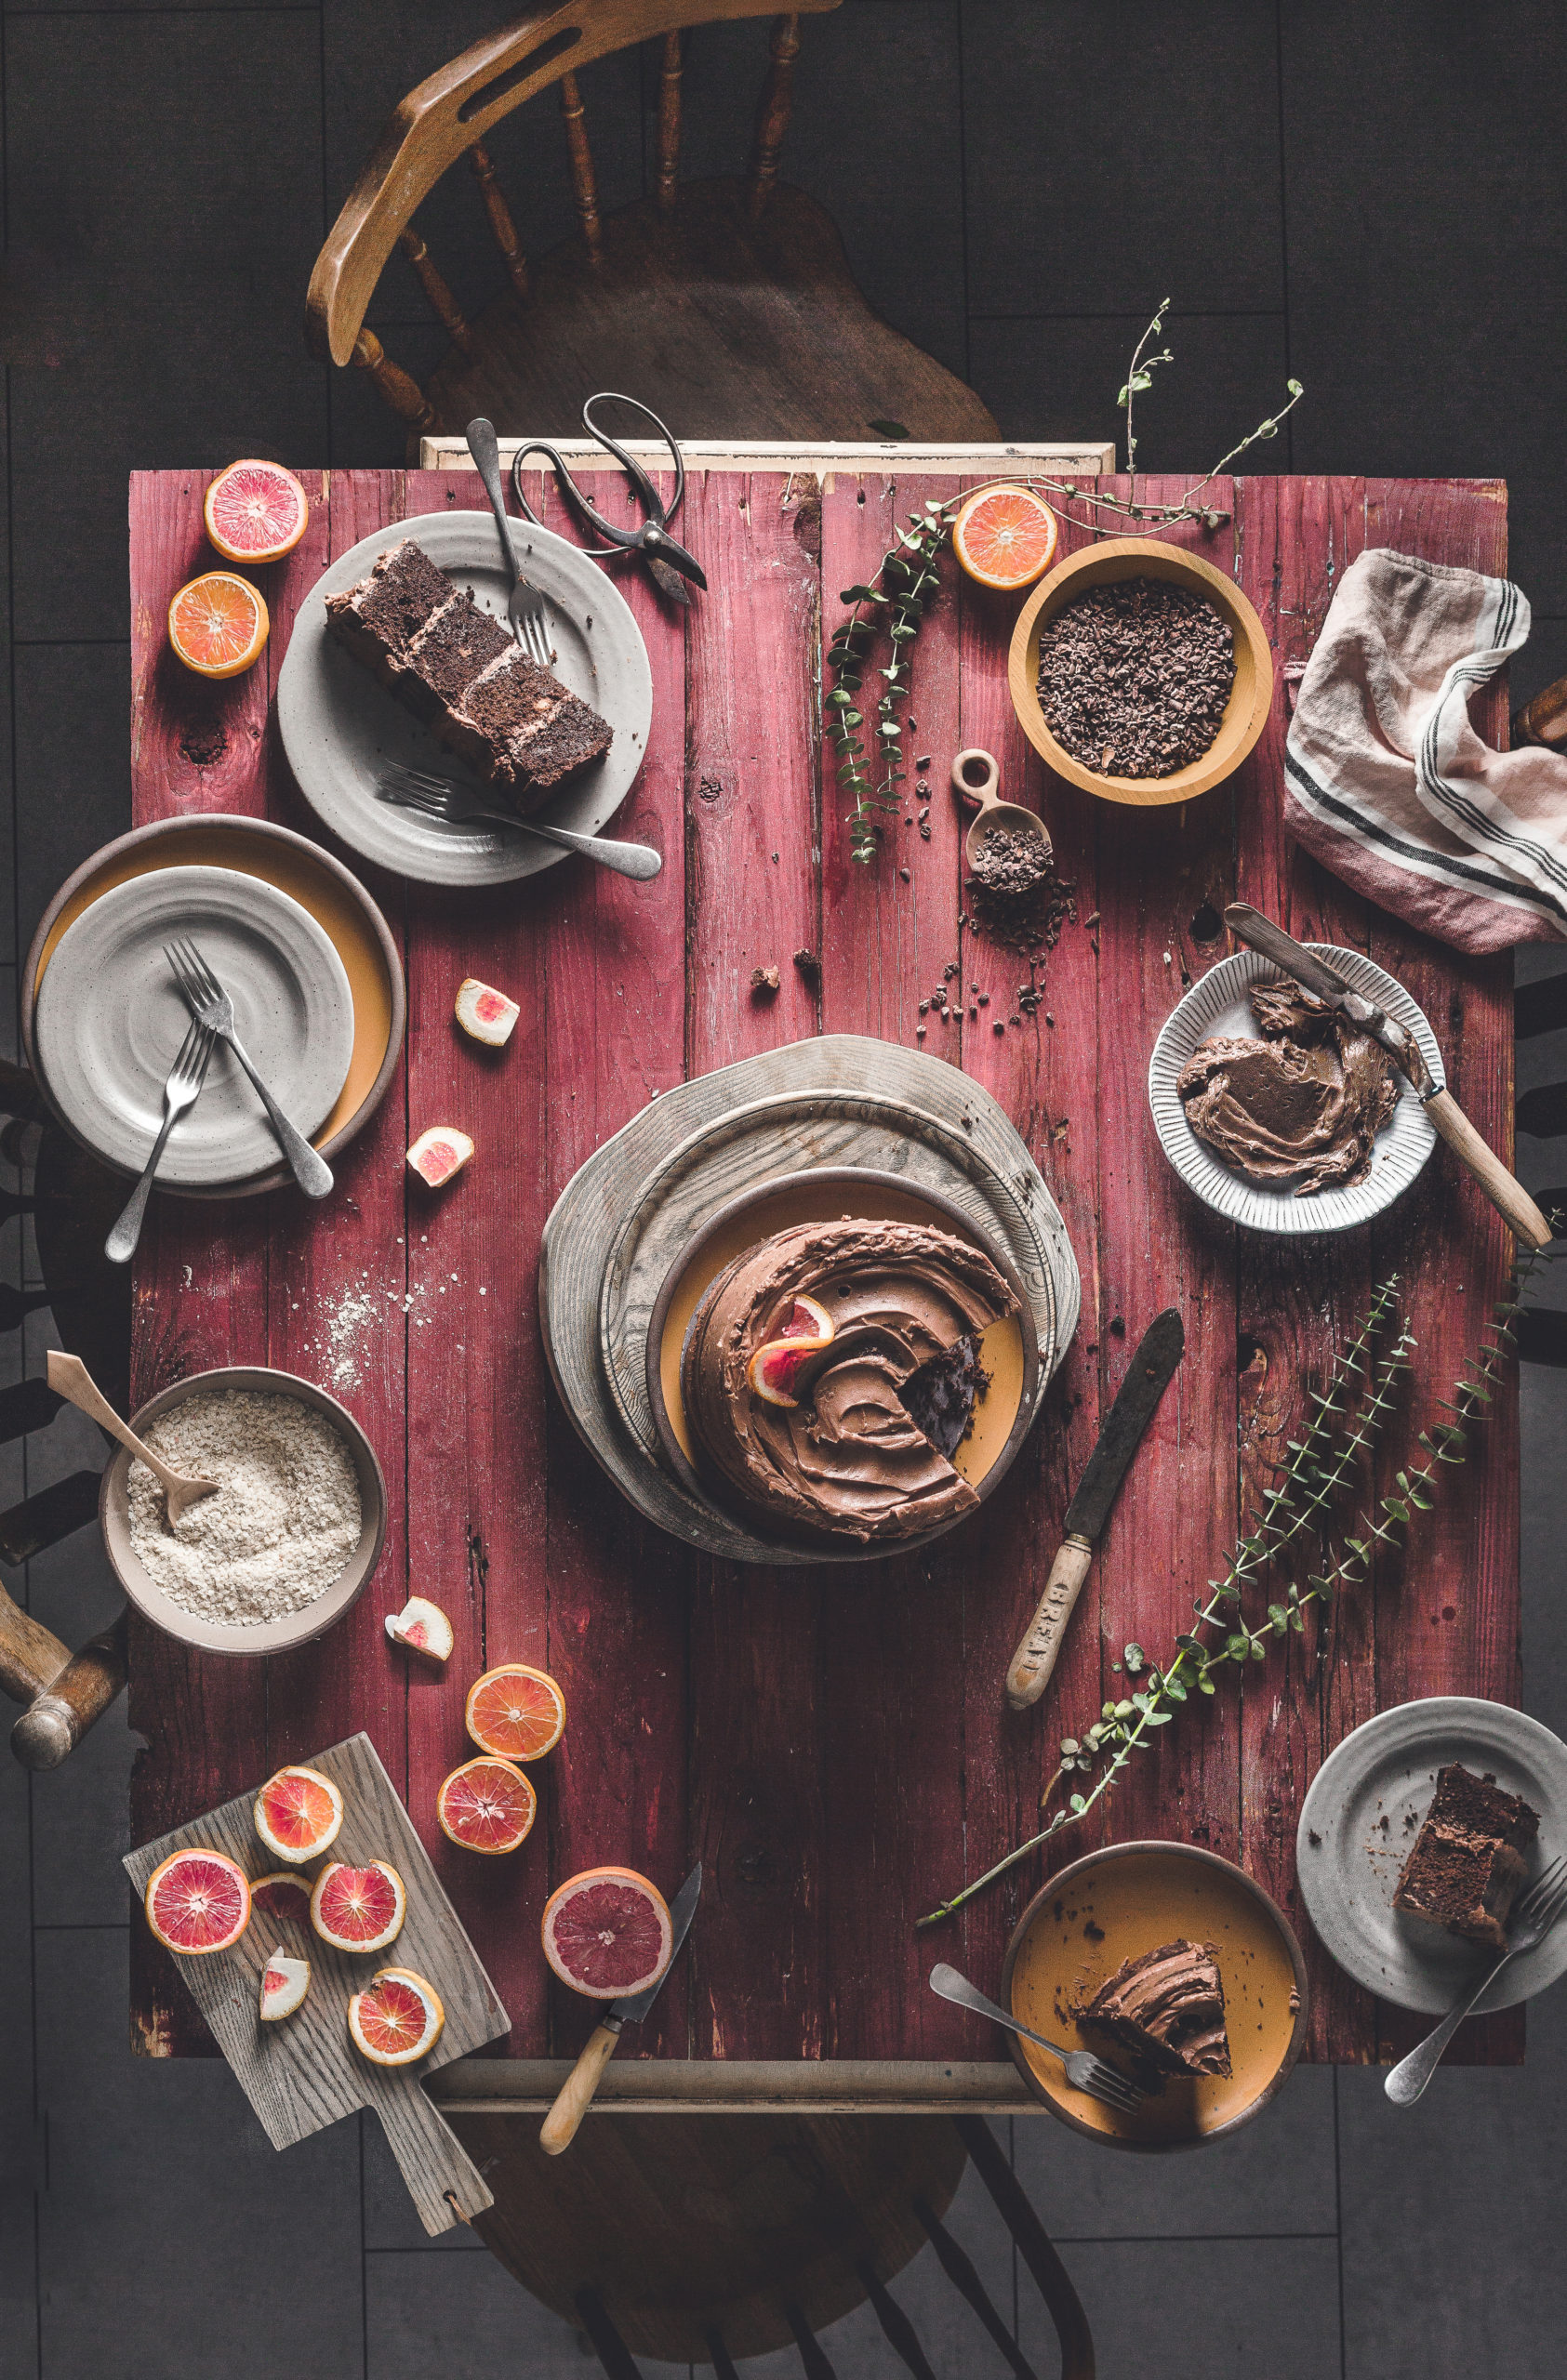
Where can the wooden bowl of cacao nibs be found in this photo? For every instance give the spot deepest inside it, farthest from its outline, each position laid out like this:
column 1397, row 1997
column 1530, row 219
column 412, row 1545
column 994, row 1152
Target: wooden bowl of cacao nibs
column 1141, row 672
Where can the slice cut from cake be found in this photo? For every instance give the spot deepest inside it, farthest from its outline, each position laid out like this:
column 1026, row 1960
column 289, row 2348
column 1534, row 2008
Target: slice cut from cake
column 1167, row 2007
column 461, row 672
column 1467, row 1863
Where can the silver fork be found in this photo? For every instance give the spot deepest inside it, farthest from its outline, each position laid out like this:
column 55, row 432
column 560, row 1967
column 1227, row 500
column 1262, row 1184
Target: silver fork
column 1084, row 2072
column 456, row 806
column 525, row 609
column 210, row 1004
column 180, row 1091
column 1532, row 1920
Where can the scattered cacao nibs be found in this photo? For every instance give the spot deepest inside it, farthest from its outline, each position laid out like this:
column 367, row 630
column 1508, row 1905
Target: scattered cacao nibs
column 952, row 969
column 809, row 965
column 998, row 1026
column 1014, row 897
column 764, row 982
column 1049, row 1019
column 924, row 1008
column 1014, row 1020
column 974, row 1007
column 924, row 831
column 922, row 765
column 984, row 999
column 1133, row 677
column 904, row 875
column 920, row 1032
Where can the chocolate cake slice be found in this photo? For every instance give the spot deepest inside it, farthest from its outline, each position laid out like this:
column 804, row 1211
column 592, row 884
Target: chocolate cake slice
column 1167, row 2007
column 1467, row 1863
column 461, row 672
column 940, row 1397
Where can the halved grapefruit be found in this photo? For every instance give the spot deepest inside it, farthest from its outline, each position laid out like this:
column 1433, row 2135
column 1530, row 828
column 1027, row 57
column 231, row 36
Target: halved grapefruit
column 198, row 1901
column 607, row 1932
column 1005, row 537
column 423, row 1628
column 285, row 1982
column 298, row 1813
column 217, row 624
column 486, row 1805
column 283, row 1896
column 256, row 511
column 515, row 1711
column 397, row 2017
column 358, row 1909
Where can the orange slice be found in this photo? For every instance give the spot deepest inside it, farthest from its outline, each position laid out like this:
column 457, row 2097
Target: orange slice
column 607, row 1932
column 486, row 1805
column 358, row 1909
column 515, row 1711
column 1005, row 537
column 285, row 1982
column 484, row 1014
column 198, row 1901
column 256, row 511
column 217, row 624
column 423, row 1627
column 283, row 1896
column 298, row 1813
column 397, row 2017
column 440, row 1153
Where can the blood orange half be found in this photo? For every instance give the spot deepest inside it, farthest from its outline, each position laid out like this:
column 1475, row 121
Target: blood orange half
column 486, row 1805
column 397, row 2017
column 607, row 1931
column 298, row 1813
column 358, row 1909
column 283, row 1896
column 217, row 624
column 256, row 511
column 516, row 1712
column 1005, row 537
column 198, row 1901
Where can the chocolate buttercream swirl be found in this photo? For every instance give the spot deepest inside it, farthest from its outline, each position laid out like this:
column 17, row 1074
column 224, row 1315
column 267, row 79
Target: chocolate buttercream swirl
column 847, row 1458
column 1303, row 1104
column 1167, row 2006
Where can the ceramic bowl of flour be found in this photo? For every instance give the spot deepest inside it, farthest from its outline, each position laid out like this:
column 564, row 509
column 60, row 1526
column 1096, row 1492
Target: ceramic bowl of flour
column 311, row 1505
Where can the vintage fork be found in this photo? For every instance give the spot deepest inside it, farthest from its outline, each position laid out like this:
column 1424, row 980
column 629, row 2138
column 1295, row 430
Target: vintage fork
column 210, row 1004
column 1532, row 1920
column 439, row 798
column 525, row 609
column 180, row 1091
column 1084, row 2072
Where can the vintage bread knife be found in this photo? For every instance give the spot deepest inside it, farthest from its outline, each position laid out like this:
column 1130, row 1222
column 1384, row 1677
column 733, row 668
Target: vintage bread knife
column 576, row 2094
column 1148, row 1376
column 1313, row 974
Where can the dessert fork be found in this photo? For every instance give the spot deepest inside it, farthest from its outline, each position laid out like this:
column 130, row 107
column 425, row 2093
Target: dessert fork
column 1084, row 2072
column 525, row 609
column 457, row 805
column 211, row 1005
column 1532, row 1920
column 180, row 1091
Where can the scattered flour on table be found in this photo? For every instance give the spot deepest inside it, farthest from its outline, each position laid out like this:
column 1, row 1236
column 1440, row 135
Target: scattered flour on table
column 283, row 1524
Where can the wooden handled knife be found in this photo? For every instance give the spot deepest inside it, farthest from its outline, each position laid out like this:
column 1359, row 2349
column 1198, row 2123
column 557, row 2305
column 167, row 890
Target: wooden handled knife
column 1148, row 1376
column 1313, row 974
column 576, row 2094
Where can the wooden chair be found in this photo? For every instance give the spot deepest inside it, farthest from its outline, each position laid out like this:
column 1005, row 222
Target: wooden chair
column 74, row 1203
column 726, row 305
column 709, row 2237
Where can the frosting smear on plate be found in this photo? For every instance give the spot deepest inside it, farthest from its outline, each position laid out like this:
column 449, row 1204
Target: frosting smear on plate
column 1301, row 1105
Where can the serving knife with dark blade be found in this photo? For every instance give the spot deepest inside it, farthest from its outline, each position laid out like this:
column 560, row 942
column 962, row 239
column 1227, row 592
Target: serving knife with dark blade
column 1314, row 974
column 576, row 2094
column 1148, row 1376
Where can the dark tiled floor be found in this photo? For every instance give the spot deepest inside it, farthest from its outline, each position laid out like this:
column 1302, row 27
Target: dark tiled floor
column 1368, row 194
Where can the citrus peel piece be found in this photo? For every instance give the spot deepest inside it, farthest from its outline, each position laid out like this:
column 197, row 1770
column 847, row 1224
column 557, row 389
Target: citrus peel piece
column 285, row 1982
column 440, row 1153
column 423, row 1627
column 804, row 1332
column 485, row 1015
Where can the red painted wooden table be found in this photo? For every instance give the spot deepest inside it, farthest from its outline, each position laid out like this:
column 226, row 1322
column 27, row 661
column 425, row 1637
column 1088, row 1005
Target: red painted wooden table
column 836, row 1751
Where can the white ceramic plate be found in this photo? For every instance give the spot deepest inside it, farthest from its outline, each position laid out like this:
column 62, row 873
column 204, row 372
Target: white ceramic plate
column 1221, row 1004
column 1362, row 1815
column 111, row 1019
column 340, row 725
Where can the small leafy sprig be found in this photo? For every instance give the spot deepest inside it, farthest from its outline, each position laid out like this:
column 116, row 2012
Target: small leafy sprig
column 1318, row 1466
column 901, row 590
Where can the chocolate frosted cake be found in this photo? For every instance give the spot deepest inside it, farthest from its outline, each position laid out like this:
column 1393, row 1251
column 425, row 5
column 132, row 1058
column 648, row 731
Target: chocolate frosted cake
column 831, row 1372
column 463, row 674
column 1301, row 1105
column 1167, row 2007
column 1466, row 1864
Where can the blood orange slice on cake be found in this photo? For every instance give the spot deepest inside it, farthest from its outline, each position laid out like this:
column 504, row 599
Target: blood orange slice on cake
column 358, row 1909
column 397, row 2017
column 515, row 1711
column 256, row 511
column 486, row 1805
column 298, row 1813
column 198, row 1901
column 606, row 1932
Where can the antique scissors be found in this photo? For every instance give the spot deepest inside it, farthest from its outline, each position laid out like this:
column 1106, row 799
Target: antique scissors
column 663, row 554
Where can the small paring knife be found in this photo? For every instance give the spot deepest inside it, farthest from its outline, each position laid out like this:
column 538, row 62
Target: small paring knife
column 1148, row 1376
column 1313, row 974
column 576, row 2094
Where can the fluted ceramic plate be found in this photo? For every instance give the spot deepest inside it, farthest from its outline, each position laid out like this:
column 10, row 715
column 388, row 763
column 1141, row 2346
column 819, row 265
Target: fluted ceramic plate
column 341, row 726
column 1358, row 1820
column 1221, row 1004
column 111, row 1019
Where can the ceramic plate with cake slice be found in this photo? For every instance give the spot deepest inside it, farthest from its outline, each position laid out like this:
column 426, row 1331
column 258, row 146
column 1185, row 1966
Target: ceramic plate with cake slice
column 401, row 653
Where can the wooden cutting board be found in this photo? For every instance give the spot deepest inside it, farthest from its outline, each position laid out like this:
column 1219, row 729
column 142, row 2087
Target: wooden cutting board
column 303, row 2073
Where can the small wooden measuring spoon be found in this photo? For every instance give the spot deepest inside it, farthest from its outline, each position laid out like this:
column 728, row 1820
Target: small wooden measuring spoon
column 70, row 1377
column 975, row 778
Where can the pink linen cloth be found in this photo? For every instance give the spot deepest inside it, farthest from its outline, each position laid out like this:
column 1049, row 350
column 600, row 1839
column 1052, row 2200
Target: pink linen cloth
column 1385, row 781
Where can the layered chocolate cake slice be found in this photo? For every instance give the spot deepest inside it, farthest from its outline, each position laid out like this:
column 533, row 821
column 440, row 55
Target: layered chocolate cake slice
column 461, row 672
column 1167, row 2007
column 1467, row 1863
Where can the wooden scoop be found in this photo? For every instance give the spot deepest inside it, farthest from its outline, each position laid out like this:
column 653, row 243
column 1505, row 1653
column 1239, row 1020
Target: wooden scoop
column 70, row 1377
column 975, row 778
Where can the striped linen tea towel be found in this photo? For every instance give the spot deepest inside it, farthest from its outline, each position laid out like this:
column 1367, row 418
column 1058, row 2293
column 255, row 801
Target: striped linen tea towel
column 1385, row 781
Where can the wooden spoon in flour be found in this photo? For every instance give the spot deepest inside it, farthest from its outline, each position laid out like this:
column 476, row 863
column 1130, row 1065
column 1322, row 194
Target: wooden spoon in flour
column 70, row 1377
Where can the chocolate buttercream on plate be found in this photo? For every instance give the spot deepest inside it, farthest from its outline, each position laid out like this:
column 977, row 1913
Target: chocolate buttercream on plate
column 1167, row 2007
column 1301, row 1105
column 847, row 1458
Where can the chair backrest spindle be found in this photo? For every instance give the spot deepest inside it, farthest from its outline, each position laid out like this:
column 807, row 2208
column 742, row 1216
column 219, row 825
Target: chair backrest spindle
column 772, row 122
column 584, row 181
column 897, row 2328
column 813, row 2358
column 668, row 124
column 436, row 288
column 403, row 395
column 499, row 214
